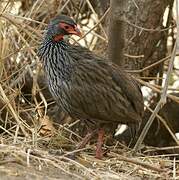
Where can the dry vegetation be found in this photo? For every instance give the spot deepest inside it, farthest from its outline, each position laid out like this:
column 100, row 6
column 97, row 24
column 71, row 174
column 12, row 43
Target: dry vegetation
column 30, row 146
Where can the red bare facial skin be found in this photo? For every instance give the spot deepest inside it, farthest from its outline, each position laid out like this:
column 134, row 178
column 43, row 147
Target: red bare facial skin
column 58, row 38
column 70, row 29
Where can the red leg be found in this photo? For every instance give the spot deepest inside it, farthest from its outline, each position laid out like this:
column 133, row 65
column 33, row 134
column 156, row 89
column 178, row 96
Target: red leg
column 99, row 152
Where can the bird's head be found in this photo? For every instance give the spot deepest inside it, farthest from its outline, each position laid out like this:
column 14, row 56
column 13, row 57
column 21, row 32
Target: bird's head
column 62, row 25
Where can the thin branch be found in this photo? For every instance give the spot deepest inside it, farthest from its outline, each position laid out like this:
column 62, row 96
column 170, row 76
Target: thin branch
column 166, row 126
column 150, row 66
column 92, row 9
column 140, row 163
column 96, row 24
column 160, row 103
column 146, row 29
column 6, row 100
column 174, row 98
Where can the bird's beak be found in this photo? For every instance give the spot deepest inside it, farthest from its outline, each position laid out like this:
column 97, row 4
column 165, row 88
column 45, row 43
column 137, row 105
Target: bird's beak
column 75, row 31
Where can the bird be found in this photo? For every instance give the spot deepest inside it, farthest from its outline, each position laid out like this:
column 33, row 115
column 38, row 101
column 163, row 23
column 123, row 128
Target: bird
column 86, row 86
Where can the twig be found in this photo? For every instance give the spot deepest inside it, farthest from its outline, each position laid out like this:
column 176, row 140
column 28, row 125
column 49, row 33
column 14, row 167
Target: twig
column 152, row 149
column 135, row 4
column 12, row 19
column 8, row 15
column 174, row 168
column 133, row 161
column 63, row 7
column 6, row 100
column 134, row 56
column 96, row 24
column 146, row 29
column 92, row 9
column 16, row 134
column 166, row 126
column 174, row 98
column 160, row 103
column 150, row 66
column 5, row 130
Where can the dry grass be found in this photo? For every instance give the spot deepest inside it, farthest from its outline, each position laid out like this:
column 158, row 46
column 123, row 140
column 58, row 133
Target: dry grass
column 24, row 152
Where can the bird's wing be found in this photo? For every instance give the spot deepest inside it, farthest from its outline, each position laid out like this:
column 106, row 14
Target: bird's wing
column 98, row 93
column 130, row 87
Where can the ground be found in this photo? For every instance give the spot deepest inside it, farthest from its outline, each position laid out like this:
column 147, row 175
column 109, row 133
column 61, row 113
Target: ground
column 35, row 163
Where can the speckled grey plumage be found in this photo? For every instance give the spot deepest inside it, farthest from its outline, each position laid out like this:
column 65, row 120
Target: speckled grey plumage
column 89, row 87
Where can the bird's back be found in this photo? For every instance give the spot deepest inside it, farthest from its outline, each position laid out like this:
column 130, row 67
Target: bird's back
column 100, row 90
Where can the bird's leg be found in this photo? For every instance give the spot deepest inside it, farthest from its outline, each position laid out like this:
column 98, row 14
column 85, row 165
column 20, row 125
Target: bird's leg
column 99, row 152
column 86, row 139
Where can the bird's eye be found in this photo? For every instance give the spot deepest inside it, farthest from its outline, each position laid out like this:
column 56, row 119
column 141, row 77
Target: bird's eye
column 66, row 27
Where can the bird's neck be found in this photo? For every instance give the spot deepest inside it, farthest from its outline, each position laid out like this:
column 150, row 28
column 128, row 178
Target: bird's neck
column 55, row 57
column 55, row 50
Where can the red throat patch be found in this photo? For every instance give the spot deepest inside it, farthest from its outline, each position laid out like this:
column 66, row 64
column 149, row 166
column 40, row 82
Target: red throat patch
column 58, row 38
